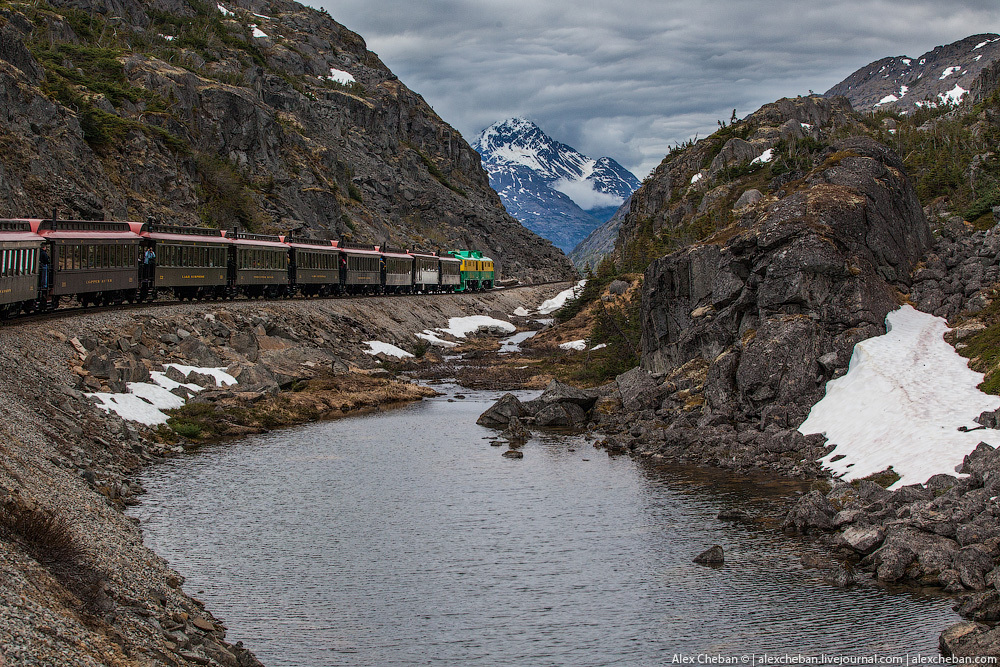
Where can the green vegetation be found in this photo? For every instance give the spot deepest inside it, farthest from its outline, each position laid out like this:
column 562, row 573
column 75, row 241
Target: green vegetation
column 226, row 195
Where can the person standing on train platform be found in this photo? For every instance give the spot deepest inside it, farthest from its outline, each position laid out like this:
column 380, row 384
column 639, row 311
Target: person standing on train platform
column 148, row 263
column 44, row 263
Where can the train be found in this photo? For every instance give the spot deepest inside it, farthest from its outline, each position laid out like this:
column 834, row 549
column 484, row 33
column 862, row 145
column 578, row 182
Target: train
column 46, row 262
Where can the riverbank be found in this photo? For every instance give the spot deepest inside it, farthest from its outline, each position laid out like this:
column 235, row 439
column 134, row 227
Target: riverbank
column 79, row 586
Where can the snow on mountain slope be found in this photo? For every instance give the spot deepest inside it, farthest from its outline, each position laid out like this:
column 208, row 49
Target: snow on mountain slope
column 553, row 189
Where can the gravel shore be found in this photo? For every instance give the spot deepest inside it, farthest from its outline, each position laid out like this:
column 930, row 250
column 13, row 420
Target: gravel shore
column 77, row 585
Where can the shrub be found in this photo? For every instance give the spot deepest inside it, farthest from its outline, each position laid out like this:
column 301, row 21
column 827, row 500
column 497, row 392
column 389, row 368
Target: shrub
column 47, row 536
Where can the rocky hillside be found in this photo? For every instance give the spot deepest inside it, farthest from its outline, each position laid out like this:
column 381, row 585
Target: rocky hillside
column 773, row 305
column 599, row 243
column 941, row 76
column 553, row 189
column 266, row 115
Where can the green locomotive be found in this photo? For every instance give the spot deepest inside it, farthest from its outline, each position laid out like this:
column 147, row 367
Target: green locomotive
column 477, row 271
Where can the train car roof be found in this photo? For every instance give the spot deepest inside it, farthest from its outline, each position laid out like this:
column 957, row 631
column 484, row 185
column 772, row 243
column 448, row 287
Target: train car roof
column 404, row 255
column 86, row 229
column 191, row 238
column 274, row 242
column 325, row 246
column 17, row 230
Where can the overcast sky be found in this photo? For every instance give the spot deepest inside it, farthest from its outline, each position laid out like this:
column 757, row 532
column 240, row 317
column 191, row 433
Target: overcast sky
column 630, row 79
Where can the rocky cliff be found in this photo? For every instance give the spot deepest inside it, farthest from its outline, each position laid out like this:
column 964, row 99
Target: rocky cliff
column 270, row 116
column 774, row 304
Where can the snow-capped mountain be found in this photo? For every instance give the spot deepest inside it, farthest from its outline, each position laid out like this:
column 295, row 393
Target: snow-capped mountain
column 553, row 189
column 943, row 75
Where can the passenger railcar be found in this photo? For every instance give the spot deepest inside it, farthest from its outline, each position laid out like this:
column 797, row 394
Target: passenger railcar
column 396, row 266
column 20, row 267
column 426, row 271
column 94, row 261
column 314, row 266
column 260, row 265
column 359, row 268
column 192, row 262
column 451, row 273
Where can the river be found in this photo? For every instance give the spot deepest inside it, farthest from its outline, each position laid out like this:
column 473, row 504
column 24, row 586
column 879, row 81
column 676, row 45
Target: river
column 403, row 538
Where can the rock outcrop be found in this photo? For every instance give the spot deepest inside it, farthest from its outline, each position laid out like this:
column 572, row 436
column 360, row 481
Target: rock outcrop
column 764, row 303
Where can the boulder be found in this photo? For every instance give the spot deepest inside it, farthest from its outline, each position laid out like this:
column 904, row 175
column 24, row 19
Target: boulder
column 500, row 413
column 748, row 198
column 969, row 639
column 812, row 512
column 513, row 454
column 618, row 287
column 561, row 415
column 863, row 540
column 557, row 392
column 712, row 556
column 637, row 390
column 982, row 606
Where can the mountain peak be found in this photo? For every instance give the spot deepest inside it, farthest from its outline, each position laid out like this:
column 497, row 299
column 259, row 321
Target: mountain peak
column 553, row 189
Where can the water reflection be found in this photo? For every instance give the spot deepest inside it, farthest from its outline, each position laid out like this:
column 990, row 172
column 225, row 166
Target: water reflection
column 403, row 538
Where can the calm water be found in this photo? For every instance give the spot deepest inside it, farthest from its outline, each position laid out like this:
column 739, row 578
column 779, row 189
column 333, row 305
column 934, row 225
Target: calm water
column 403, row 538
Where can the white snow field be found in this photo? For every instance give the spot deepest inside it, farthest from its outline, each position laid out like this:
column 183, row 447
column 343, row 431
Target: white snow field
column 378, row 347
column 559, row 300
column 578, row 345
column 146, row 401
column 460, row 327
column 901, row 403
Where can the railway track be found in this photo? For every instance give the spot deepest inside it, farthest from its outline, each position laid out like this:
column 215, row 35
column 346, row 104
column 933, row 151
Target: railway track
column 72, row 311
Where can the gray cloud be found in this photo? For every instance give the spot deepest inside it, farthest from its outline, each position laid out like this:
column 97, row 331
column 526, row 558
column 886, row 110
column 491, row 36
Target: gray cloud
column 630, row 81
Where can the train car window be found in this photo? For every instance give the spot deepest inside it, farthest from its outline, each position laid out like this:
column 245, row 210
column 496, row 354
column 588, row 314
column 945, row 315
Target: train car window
column 5, row 254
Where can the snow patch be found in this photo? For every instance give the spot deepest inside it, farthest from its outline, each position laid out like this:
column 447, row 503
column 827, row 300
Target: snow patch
column 901, row 403
column 948, row 71
column 599, row 346
column 982, row 44
column 169, row 38
column 225, row 12
column 764, row 157
column 907, row 61
column 697, row 177
column 886, row 100
column 903, row 90
column 146, row 401
column 434, row 340
column 340, row 76
column 521, row 311
column 378, row 347
column 550, row 306
column 257, row 32
column 953, row 96
column 574, row 345
column 460, row 327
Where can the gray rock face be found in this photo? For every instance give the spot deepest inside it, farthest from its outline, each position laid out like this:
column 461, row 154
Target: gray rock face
column 809, row 275
column 748, row 198
column 638, row 391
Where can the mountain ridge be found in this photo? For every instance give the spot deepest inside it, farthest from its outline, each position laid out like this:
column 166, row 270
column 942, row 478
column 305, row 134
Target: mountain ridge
column 943, row 75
